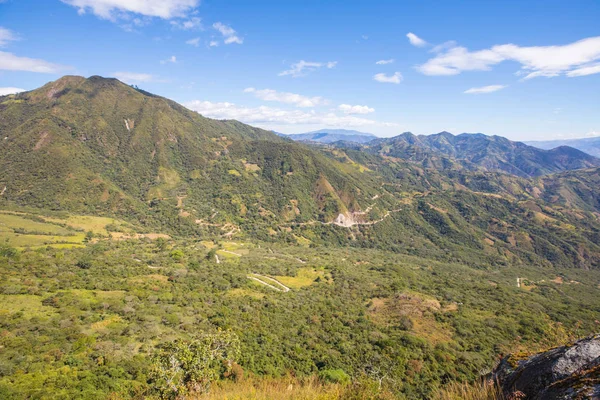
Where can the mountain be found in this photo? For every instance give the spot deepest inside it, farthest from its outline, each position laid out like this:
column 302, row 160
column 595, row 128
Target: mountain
column 478, row 151
column 590, row 146
column 384, row 270
column 98, row 145
column 333, row 135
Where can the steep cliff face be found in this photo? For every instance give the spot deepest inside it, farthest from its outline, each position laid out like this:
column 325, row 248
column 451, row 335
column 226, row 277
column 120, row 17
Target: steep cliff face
column 567, row 372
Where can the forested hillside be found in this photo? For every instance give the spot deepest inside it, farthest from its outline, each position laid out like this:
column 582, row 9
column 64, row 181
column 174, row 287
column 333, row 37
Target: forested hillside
column 149, row 252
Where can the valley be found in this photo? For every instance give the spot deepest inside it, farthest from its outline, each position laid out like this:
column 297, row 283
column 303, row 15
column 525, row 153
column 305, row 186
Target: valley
column 133, row 230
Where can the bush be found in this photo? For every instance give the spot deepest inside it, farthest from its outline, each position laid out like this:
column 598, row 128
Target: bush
column 334, row 376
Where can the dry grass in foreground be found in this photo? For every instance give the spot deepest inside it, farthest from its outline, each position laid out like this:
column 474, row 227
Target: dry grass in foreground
column 290, row 388
column 475, row 391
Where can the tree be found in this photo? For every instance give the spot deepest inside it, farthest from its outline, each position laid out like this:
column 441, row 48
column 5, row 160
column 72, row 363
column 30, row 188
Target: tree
column 185, row 367
column 89, row 235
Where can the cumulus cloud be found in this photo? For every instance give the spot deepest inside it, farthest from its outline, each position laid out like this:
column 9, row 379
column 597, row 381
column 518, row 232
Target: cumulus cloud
column 415, row 40
column 213, row 43
column 485, row 89
column 194, row 42
column 118, row 9
column 303, row 68
column 268, row 116
column 383, row 78
column 10, row 90
column 288, row 98
column 384, row 62
column 6, row 36
column 11, row 62
column 574, row 59
column 229, row 34
column 348, row 109
column 188, row 24
column 171, row 59
column 133, row 77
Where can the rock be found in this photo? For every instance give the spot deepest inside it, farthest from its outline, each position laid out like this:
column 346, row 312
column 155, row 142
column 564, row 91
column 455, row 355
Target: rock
column 567, row 372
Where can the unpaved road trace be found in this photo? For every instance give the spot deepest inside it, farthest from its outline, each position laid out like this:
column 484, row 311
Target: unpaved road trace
column 259, row 278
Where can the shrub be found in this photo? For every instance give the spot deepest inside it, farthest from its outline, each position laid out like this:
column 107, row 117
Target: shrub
column 334, row 376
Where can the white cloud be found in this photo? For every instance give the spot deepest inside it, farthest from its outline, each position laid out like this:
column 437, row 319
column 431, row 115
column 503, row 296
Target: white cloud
column 171, row 59
column 6, row 35
column 348, row 109
column 213, row 43
column 194, row 42
column 415, row 40
column 458, row 59
column 268, row 116
column 10, row 62
column 133, row 77
column 384, row 62
column 119, row 9
column 228, row 33
column 303, row 68
column 288, row 98
column 10, row 90
column 188, row 24
column 574, row 59
column 583, row 71
column 396, row 78
column 485, row 89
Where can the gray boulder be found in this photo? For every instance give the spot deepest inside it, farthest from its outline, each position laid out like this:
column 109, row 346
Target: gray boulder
column 567, row 372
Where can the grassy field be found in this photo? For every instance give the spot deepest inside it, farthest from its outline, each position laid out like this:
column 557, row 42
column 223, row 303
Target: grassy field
column 305, row 277
column 29, row 305
column 28, row 229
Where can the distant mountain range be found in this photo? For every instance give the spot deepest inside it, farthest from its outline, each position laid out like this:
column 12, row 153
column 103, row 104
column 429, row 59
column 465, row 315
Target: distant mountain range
column 588, row 145
column 332, row 135
column 478, row 151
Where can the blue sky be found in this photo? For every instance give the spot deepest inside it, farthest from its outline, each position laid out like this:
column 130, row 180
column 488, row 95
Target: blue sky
column 521, row 69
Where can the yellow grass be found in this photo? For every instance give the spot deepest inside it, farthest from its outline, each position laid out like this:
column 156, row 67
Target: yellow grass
column 464, row 391
column 275, row 389
column 30, row 305
column 305, row 277
column 89, row 223
column 17, row 222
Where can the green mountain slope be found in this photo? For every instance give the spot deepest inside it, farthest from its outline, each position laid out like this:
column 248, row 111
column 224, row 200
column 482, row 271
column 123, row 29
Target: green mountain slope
column 98, row 145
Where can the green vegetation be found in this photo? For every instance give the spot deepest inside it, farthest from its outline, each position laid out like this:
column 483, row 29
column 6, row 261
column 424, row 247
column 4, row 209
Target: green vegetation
column 149, row 252
column 389, row 322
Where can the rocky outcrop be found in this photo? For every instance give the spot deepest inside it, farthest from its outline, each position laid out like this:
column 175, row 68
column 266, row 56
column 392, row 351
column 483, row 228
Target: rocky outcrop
column 567, row 372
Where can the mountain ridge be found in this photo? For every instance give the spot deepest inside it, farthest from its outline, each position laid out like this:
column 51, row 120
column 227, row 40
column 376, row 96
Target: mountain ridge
column 589, row 145
column 471, row 151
